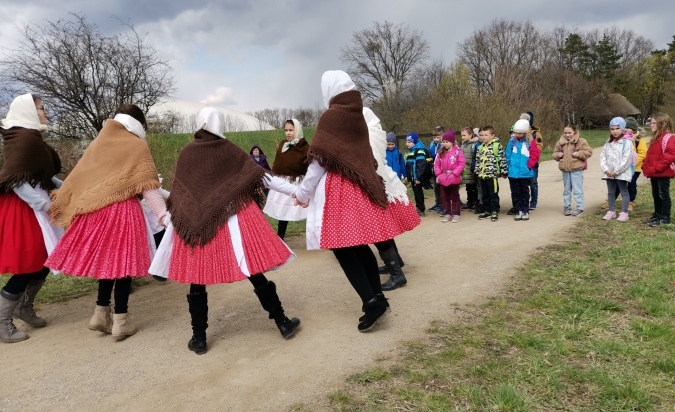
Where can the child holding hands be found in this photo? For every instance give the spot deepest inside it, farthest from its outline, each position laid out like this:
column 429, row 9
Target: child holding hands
column 572, row 152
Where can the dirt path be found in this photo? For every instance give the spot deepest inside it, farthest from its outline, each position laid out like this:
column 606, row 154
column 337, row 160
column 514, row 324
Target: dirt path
column 249, row 367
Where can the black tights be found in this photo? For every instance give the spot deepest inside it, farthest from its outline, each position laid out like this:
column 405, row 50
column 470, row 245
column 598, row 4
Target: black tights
column 360, row 267
column 18, row 283
column 122, row 288
column 281, row 228
column 382, row 246
column 257, row 280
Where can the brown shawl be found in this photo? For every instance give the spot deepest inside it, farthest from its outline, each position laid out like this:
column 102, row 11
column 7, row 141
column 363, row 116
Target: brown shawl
column 341, row 145
column 116, row 166
column 27, row 159
column 214, row 180
column 292, row 163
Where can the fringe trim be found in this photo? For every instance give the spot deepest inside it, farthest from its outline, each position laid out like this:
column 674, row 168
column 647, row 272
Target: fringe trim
column 16, row 180
column 60, row 217
column 210, row 228
column 331, row 164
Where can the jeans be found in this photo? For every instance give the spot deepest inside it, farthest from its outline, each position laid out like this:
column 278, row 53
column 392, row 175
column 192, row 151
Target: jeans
column 573, row 183
column 534, row 184
column 661, row 195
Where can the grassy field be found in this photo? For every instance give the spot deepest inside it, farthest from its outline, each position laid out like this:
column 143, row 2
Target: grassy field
column 592, row 329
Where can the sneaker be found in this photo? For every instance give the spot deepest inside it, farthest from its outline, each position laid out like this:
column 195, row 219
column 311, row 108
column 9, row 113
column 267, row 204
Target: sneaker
column 421, row 213
column 659, row 222
column 578, row 213
column 533, row 205
column 455, row 219
column 526, row 216
column 434, row 208
column 446, row 218
column 609, row 215
column 623, row 216
column 441, row 211
column 518, row 216
column 478, row 210
column 483, row 216
column 494, row 217
column 512, row 211
column 466, row 206
column 650, row 219
column 568, row 213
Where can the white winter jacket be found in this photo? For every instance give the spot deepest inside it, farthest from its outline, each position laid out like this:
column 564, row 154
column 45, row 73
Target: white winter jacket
column 618, row 157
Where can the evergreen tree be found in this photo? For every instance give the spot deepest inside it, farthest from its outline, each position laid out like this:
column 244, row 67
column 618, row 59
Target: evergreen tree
column 576, row 55
column 606, row 59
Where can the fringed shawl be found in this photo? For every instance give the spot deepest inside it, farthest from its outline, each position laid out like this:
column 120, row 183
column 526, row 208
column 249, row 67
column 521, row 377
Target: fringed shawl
column 214, row 180
column 293, row 162
column 116, row 166
column 341, row 145
column 27, row 159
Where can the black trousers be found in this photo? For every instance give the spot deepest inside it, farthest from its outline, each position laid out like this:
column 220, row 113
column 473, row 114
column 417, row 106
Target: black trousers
column 490, row 195
column 418, row 191
column 360, row 266
column 18, row 283
column 661, row 195
column 122, row 288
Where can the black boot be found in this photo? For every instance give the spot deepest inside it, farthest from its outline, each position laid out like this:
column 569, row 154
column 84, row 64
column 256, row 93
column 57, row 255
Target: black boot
column 396, row 278
column 267, row 294
column 381, row 298
column 384, row 269
column 374, row 309
column 199, row 311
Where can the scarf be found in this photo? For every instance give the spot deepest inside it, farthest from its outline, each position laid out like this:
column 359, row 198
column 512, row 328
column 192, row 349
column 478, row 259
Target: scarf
column 116, row 166
column 299, row 134
column 341, row 145
column 293, row 162
column 28, row 159
column 394, row 188
column 214, row 180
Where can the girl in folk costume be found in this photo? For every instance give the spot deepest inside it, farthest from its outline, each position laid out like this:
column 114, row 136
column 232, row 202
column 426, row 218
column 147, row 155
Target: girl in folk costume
column 448, row 166
column 349, row 208
column 290, row 162
column 26, row 236
column 108, row 237
column 397, row 196
column 217, row 234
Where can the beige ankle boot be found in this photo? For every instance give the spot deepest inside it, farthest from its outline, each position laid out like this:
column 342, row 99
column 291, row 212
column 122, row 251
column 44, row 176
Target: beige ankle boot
column 102, row 320
column 121, row 327
column 631, row 206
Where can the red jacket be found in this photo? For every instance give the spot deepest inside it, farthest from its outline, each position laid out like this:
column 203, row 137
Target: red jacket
column 658, row 162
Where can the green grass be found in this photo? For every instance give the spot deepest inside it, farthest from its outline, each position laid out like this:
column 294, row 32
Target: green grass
column 591, row 329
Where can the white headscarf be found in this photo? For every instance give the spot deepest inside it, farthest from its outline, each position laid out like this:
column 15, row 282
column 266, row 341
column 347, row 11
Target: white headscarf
column 212, row 120
column 22, row 113
column 394, row 188
column 334, row 82
column 131, row 124
column 299, row 134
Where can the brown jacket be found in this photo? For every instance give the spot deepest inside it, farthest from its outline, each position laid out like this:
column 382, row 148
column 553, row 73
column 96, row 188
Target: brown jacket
column 564, row 149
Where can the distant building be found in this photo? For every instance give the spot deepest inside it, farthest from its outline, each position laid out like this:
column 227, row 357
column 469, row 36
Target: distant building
column 602, row 108
column 178, row 116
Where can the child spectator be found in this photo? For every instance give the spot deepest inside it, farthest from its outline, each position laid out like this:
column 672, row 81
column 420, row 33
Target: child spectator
column 641, row 149
column 469, row 141
column 448, row 167
column 572, row 153
column 534, row 134
column 490, row 164
column 658, row 168
column 521, row 158
column 616, row 163
column 434, row 147
column 259, row 157
column 416, row 163
column 395, row 157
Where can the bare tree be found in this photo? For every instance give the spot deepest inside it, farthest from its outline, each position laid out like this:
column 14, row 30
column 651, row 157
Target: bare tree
column 382, row 57
column 83, row 75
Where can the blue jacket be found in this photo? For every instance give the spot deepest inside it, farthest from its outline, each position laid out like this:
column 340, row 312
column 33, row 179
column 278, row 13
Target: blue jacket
column 396, row 162
column 521, row 157
column 416, row 162
column 434, row 148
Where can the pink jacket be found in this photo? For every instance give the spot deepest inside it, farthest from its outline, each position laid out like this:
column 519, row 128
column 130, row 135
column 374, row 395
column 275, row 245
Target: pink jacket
column 449, row 168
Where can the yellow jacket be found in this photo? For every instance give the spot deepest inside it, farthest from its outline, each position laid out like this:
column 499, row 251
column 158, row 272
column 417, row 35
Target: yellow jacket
column 641, row 150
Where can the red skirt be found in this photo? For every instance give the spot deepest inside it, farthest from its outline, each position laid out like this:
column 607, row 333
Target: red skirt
column 350, row 218
column 216, row 261
column 22, row 247
column 110, row 243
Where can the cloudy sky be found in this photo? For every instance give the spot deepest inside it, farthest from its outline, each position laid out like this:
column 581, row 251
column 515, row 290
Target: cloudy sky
column 256, row 54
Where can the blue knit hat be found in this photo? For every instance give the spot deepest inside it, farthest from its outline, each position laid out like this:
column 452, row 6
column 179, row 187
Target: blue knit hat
column 412, row 137
column 391, row 137
column 618, row 121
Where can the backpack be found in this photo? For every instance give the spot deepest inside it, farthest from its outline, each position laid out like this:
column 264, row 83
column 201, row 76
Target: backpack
column 634, row 157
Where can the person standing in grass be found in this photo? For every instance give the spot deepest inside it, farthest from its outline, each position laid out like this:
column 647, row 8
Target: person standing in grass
column 572, row 153
column 108, row 237
column 290, row 163
column 659, row 167
column 217, row 234
column 616, row 163
column 27, row 174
